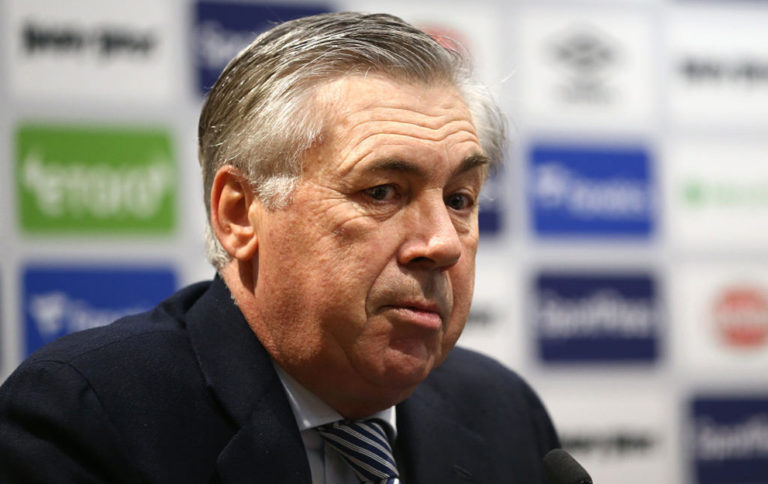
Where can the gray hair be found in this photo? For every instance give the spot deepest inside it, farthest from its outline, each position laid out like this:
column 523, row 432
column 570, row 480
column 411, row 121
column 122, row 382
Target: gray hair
column 258, row 117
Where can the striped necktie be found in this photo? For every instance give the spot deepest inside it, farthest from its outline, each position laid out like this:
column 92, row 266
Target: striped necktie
column 365, row 447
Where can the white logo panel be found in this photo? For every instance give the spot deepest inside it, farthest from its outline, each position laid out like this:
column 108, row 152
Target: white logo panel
column 90, row 49
column 627, row 437
column 718, row 66
column 496, row 322
column 720, row 315
column 589, row 68
column 717, row 193
column 475, row 27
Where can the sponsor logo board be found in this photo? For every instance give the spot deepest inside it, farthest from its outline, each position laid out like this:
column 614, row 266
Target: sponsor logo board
column 93, row 179
column 117, row 52
column 584, row 67
column 493, row 324
column 63, row 300
column 491, row 213
column 717, row 193
column 620, row 436
column 475, row 27
column 721, row 315
column 595, row 318
column 718, row 66
column 224, row 28
column 590, row 191
column 730, row 439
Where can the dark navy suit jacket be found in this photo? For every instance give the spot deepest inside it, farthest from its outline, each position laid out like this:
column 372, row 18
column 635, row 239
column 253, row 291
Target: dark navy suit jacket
column 186, row 393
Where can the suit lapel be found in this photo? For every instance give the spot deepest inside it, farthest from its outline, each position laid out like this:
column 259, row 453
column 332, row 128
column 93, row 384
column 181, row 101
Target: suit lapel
column 433, row 446
column 267, row 449
column 266, row 446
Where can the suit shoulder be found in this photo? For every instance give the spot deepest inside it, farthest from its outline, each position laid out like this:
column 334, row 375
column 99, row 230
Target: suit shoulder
column 468, row 366
column 482, row 391
column 491, row 384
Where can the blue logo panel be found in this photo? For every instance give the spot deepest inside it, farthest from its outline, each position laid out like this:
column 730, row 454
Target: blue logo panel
column 60, row 300
column 596, row 318
column 592, row 192
column 491, row 206
column 730, row 439
column 223, row 29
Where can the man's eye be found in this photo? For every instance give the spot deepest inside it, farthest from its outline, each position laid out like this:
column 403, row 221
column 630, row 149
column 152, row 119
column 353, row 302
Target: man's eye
column 458, row 201
column 381, row 193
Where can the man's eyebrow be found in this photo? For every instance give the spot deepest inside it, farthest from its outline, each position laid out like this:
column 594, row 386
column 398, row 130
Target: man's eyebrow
column 399, row 165
column 394, row 164
column 471, row 162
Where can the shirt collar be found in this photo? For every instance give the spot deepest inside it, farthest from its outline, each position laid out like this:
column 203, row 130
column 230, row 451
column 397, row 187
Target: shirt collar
column 311, row 412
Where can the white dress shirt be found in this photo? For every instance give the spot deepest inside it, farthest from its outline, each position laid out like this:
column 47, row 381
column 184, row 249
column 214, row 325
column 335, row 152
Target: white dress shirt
column 327, row 465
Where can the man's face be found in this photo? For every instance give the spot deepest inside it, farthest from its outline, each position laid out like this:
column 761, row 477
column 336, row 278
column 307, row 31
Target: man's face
column 364, row 281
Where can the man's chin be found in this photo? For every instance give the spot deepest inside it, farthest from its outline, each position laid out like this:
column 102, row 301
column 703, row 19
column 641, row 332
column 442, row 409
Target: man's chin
column 408, row 362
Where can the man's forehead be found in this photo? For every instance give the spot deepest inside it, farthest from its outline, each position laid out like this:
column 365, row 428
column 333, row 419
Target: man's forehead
column 358, row 92
column 383, row 120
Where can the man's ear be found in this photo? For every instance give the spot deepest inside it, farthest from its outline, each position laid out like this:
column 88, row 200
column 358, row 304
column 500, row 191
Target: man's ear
column 231, row 201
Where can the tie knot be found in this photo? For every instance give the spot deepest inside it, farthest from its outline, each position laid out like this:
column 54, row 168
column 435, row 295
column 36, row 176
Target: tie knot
column 364, row 445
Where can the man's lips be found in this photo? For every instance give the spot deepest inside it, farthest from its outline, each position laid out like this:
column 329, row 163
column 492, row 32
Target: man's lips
column 422, row 314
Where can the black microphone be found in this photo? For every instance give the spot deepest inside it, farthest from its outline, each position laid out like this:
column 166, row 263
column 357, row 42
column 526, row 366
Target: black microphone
column 561, row 468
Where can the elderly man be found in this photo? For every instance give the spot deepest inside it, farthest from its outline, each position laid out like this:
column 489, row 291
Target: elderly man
column 342, row 159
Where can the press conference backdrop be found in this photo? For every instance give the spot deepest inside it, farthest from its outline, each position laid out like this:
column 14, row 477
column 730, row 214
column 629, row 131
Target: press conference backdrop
column 624, row 255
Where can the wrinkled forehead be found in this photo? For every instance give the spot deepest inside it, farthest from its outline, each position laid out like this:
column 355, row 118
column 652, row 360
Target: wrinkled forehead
column 369, row 116
column 357, row 98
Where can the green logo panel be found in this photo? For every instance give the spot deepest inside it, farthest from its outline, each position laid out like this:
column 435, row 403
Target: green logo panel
column 74, row 179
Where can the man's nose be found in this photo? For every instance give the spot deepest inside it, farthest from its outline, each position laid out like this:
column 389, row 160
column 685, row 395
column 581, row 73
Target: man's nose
column 431, row 239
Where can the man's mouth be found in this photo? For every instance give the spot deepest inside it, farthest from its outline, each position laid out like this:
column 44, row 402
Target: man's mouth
column 422, row 314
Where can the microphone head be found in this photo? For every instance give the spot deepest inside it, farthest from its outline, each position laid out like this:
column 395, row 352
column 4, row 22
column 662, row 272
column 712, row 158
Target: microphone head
column 561, row 468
